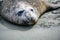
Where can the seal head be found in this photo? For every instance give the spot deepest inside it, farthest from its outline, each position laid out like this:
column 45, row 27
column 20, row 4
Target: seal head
column 22, row 13
column 26, row 13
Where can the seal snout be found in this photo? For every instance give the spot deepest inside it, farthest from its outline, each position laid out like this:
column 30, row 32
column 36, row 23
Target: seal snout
column 29, row 21
column 31, row 18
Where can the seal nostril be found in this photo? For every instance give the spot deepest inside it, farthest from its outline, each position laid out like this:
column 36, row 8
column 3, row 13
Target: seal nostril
column 20, row 13
column 31, row 9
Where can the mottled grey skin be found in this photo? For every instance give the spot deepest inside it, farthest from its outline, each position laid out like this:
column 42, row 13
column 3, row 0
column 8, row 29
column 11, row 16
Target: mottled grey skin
column 25, row 12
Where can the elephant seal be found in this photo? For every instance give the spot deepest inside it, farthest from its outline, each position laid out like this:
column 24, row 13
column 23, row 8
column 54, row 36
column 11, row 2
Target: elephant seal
column 25, row 12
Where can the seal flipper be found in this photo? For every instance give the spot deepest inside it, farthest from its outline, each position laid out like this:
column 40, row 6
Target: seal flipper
column 46, row 7
column 52, row 6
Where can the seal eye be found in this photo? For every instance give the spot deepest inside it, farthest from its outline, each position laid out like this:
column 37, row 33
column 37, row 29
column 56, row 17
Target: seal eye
column 31, row 9
column 20, row 13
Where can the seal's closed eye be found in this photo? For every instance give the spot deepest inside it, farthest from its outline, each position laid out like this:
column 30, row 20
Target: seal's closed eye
column 20, row 13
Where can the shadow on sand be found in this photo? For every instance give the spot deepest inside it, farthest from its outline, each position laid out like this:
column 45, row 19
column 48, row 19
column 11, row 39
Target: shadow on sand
column 13, row 26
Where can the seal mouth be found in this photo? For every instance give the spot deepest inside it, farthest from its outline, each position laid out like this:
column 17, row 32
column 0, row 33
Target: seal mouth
column 29, row 21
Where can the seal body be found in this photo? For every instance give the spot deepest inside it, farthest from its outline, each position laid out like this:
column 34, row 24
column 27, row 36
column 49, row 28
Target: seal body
column 24, row 12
